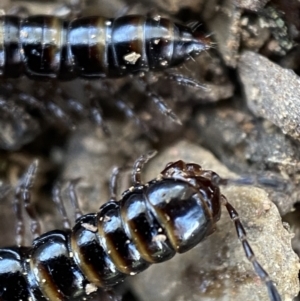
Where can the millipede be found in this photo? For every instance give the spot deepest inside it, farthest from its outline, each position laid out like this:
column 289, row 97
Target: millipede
column 149, row 224
column 94, row 47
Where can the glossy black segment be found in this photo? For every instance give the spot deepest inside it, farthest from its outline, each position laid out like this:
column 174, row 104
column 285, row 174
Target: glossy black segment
column 13, row 285
column 248, row 250
column 186, row 43
column 91, row 256
column 146, row 232
column 241, row 232
column 178, row 206
column 11, row 51
column 54, row 269
column 87, row 41
column 40, row 39
column 67, row 69
column 159, row 43
column 119, row 243
column 260, row 271
column 93, row 47
column 273, row 293
column 128, row 50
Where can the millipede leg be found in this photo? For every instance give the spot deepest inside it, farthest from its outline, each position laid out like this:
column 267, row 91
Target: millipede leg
column 97, row 115
column 127, row 110
column 113, row 183
column 45, row 106
column 23, row 194
column 241, row 233
column 94, row 109
column 33, row 103
column 138, row 166
column 184, row 80
column 20, row 227
column 159, row 102
column 194, row 25
column 56, row 196
column 74, row 104
column 4, row 190
column 73, row 197
column 60, row 114
column 268, row 181
column 129, row 113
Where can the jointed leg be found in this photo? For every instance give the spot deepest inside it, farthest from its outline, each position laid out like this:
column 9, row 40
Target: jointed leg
column 185, row 81
column 268, row 181
column 60, row 114
column 113, row 183
column 23, row 194
column 138, row 166
column 159, row 102
column 73, row 197
column 56, row 195
column 97, row 115
column 241, row 233
column 130, row 114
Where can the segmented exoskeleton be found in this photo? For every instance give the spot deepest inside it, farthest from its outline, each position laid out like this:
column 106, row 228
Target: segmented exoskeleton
column 93, row 47
column 149, row 224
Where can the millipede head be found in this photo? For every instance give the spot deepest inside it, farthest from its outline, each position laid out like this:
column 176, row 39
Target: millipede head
column 202, row 180
column 207, row 184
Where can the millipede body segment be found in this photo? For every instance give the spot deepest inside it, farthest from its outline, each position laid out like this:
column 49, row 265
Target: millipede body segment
column 149, row 224
column 93, row 47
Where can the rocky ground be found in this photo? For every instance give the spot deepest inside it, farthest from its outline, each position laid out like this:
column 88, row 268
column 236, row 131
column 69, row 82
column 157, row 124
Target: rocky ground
column 245, row 122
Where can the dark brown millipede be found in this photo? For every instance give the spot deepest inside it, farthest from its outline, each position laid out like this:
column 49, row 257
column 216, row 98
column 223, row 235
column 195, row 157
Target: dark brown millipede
column 94, row 47
column 182, row 205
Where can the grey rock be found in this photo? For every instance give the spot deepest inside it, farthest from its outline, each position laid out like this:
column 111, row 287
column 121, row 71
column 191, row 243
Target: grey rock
column 271, row 92
column 253, row 5
column 171, row 6
column 91, row 157
column 224, row 22
column 16, row 126
column 249, row 145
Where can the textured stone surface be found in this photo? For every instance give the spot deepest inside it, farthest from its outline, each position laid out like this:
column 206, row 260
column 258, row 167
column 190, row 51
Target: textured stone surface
column 271, row 92
column 224, row 22
column 91, row 157
column 170, row 6
column 17, row 131
column 217, row 269
column 250, row 145
column 253, row 5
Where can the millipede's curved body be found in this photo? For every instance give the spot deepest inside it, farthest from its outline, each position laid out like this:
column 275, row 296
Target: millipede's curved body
column 150, row 223
column 93, row 47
